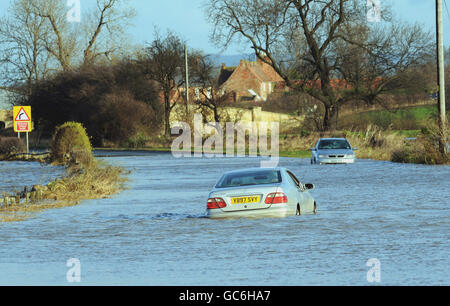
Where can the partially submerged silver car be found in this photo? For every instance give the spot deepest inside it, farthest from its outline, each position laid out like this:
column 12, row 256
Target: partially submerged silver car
column 274, row 192
column 333, row 151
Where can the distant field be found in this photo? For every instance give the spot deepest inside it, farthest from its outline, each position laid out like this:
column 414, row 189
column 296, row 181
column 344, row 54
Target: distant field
column 405, row 119
column 296, row 153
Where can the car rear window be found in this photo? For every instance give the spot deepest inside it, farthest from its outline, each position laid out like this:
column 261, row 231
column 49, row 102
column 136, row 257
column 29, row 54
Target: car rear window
column 250, row 178
column 334, row 145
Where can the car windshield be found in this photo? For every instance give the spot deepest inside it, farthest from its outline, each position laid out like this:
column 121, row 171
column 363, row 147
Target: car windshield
column 334, row 144
column 249, row 178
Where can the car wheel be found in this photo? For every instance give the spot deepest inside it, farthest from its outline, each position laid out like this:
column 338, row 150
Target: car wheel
column 298, row 212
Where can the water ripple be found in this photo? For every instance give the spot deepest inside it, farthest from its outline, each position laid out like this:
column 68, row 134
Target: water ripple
column 156, row 233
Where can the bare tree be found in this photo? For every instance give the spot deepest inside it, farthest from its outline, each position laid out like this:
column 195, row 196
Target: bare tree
column 388, row 59
column 22, row 53
column 262, row 23
column 60, row 41
column 105, row 30
column 207, row 93
column 163, row 62
column 37, row 37
column 37, row 40
column 308, row 42
column 265, row 23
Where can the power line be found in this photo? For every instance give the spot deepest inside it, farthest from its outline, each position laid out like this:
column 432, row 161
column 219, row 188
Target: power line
column 446, row 8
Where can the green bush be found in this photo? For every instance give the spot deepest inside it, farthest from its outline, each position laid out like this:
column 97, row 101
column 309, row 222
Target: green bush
column 70, row 144
column 137, row 141
column 304, row 133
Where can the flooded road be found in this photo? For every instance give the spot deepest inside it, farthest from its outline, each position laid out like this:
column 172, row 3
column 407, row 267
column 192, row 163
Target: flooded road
column 155, row 233
column 16, row 175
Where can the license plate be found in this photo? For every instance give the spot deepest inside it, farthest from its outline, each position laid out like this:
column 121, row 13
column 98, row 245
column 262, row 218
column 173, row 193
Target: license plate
column 246, row 200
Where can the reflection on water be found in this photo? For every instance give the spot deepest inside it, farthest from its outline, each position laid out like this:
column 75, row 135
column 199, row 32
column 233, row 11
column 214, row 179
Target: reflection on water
column 155, row 232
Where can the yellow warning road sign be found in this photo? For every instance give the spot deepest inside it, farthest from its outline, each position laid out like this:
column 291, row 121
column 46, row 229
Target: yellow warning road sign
column 22, row 119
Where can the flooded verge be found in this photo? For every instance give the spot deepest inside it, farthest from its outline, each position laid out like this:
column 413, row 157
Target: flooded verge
column 14, row 175
column 155, row 232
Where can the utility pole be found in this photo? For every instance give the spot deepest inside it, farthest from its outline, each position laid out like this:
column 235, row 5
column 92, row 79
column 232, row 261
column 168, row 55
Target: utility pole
column 187, row 79
column 441, row 78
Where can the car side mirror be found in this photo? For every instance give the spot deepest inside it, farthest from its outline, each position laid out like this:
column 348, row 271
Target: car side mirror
column 312, row 149
column 309, row 186
column 355, row 149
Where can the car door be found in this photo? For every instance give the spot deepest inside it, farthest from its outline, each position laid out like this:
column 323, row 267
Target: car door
column 304, row 198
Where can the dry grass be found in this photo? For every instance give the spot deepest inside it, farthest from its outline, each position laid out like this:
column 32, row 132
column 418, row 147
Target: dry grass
column 372, row 143
column 94, row 182
column 375, row 143
column 425, row 150
column 86, row 179
column 378, row 144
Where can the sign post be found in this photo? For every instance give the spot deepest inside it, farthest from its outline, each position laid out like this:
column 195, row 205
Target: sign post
column 22, row 121
column 442, row 121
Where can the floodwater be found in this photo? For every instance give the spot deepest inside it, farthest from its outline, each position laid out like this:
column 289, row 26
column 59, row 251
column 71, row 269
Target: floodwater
column 14, row 176
column 155, row 232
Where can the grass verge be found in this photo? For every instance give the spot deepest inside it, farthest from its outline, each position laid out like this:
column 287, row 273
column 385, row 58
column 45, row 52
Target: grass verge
column 411, row 118
column 418, row 146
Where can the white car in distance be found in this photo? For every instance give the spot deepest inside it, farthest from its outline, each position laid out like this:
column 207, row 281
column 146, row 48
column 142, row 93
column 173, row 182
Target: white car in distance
column 333, row 151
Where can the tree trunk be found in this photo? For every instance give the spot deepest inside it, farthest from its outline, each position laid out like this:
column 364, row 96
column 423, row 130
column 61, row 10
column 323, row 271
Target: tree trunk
column 216, row 115
column 167, row 118
column 330, row 118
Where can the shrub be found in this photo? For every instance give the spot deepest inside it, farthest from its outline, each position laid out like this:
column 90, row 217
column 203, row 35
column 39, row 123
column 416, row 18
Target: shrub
column 137, row 141
column 425, row 150
column 125, row 121
column 104, row 98
column 374, row 143
column 70, row 144
column 11, row 145
column 406, row 154
column 304, row 133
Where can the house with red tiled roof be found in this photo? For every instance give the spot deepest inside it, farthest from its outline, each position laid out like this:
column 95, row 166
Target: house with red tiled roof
column 250, row 81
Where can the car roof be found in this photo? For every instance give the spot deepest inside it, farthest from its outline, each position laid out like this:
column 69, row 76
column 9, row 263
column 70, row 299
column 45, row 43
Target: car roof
column 255, row 170
column 333, row 139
